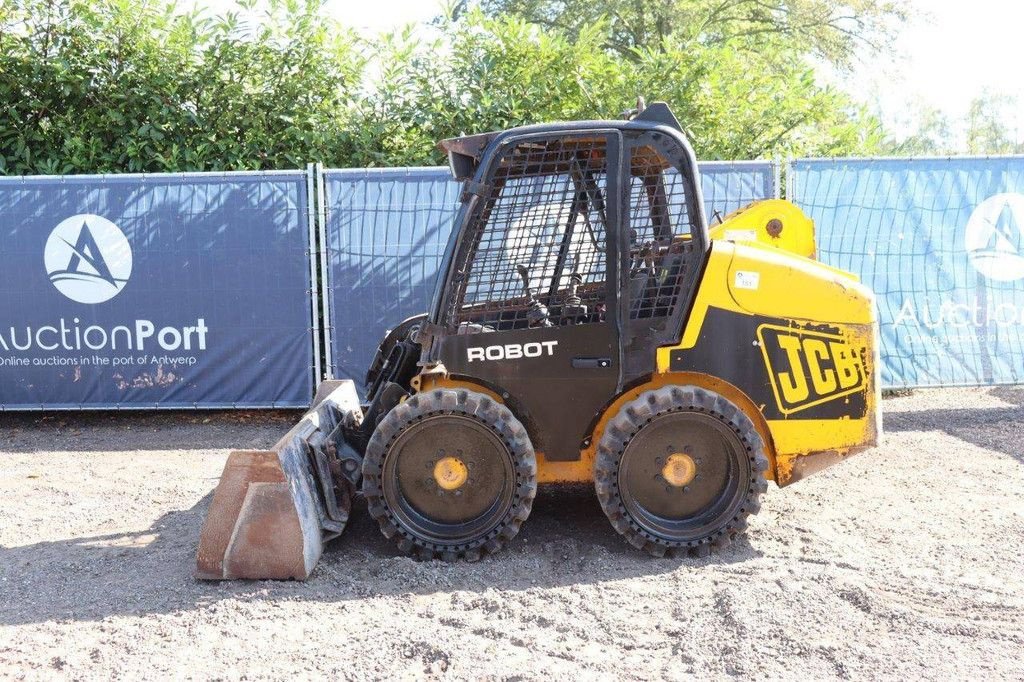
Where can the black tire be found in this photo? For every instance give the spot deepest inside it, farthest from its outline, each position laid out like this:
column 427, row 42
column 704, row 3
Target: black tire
column 399, row 494
column 670, row 522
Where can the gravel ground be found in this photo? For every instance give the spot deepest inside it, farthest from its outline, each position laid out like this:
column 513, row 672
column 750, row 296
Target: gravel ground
column 903, row 562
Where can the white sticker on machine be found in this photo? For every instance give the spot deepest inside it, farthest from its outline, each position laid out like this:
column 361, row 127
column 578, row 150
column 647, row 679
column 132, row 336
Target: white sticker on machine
column 746, row 279
column 741, row 235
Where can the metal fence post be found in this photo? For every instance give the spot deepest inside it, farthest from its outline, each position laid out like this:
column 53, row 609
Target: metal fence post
column 790, row 178
column 313, row 276
column 325, row 272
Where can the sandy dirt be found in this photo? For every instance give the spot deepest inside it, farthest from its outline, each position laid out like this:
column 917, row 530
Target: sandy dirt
column 907, row 561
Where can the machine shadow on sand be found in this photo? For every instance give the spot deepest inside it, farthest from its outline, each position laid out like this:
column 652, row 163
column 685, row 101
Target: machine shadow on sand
column 971, row 425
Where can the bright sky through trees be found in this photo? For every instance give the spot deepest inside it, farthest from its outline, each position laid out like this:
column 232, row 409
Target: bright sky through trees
column 946, row 56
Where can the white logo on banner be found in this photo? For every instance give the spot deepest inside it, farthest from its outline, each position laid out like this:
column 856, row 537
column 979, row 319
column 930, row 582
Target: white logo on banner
column 995, row 235
column 88, row 258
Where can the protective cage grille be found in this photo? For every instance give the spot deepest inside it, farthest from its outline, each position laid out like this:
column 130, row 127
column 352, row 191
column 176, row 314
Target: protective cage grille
column 538, row 250
column 661, row 226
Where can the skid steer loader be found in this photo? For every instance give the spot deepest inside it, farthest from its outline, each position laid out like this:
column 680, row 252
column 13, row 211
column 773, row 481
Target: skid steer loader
column 587, row 326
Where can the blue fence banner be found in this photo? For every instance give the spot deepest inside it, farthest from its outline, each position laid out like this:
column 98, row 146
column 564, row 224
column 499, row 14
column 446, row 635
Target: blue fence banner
column 164, row 290
column 386, row 231
column 940, row 242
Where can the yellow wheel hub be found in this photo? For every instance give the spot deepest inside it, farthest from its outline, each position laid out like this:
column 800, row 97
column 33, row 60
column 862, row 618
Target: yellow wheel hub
column 450, row 473
column 679, row 469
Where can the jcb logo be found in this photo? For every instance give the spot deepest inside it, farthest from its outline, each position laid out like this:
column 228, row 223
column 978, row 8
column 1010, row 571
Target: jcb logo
column 809, row 368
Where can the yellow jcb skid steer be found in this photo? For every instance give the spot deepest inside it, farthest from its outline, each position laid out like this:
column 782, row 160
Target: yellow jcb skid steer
column 587, row 326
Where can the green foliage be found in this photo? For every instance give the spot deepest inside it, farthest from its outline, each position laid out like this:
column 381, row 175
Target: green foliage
column 503, row 71
column 129, row 85
column 138, row 85
column 985, row 130
column 755, row 104
column 832, row 29
column 932, row 135
column 495, row 74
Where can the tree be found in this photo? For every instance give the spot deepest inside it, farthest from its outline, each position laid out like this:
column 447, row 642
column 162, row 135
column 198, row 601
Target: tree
column 932, row 134
column 988, row 125
column 504, row 71
column 131, row 85
column 986, row 129
column 832, row 29
column 137, row 85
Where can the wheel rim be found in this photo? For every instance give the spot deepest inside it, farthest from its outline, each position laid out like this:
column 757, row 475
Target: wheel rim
column 668, row 498
column 448, row 479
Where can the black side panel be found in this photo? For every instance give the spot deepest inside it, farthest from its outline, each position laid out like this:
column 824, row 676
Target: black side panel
column 776, row 363
column 535, row 367
column 531, row 305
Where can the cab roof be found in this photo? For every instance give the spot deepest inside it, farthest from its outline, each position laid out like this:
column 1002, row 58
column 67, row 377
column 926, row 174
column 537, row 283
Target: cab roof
column 465, row 153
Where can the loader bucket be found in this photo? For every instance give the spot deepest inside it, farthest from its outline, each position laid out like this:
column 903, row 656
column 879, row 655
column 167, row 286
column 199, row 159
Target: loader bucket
column 273, row 510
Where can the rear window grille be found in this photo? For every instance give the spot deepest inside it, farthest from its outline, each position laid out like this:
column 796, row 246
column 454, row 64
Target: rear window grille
column 542, row 221
column 660, row 229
